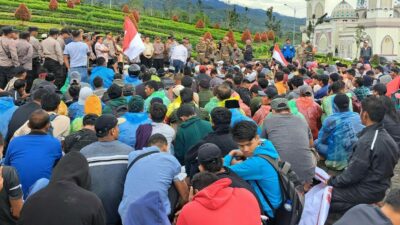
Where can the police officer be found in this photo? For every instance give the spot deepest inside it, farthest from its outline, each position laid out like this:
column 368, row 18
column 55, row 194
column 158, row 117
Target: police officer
column 8, row 55
column 53, row 57
column 36, row 57
column 201, row 49
column 225, row 50
column 25, row 51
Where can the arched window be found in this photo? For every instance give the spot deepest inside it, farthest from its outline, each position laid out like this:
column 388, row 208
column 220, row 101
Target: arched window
column 319, row 10
column 387, row 46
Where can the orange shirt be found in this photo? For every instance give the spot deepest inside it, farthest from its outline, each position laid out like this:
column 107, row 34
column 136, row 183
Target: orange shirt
column 281, row 87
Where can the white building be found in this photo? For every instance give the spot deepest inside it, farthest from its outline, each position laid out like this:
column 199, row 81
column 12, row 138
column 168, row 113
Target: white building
column 380, row 18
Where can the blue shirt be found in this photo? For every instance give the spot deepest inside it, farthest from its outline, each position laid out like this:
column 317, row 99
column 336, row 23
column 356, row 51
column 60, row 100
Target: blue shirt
column 33, row 156
column 322, row 92
column 78, row 53
column 154, row 172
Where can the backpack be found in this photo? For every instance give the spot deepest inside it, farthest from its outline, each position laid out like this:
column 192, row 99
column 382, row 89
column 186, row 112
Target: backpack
column 119, row 110
column 396, row 99
column 51, row 128
column 289, row 213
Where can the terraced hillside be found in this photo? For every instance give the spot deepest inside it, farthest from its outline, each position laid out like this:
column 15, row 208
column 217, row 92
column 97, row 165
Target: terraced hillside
column 91, row 18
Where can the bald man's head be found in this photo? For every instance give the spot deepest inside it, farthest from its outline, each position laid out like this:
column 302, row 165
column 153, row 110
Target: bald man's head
column 39, row 120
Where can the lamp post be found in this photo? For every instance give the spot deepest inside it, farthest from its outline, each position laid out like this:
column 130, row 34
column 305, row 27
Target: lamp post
column 294, row 22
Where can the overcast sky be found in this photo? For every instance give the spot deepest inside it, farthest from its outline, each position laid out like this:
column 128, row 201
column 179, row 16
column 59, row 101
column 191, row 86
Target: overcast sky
column 282, row 9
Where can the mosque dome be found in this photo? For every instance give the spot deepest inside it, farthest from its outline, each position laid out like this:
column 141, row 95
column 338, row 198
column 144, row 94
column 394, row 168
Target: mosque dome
column 343, row 11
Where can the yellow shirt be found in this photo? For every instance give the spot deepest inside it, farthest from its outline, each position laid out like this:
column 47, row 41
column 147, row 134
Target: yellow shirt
column 280, row 86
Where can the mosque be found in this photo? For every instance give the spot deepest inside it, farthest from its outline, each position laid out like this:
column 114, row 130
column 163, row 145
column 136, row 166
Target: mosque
column 380, row 18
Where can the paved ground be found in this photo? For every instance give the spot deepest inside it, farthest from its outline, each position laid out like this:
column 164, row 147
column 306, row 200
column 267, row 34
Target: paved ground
column 396, row 177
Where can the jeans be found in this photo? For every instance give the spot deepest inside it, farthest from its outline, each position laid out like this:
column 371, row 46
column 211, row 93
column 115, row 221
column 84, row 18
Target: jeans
column 178, row 65
column 82, row 70
column 37, row 186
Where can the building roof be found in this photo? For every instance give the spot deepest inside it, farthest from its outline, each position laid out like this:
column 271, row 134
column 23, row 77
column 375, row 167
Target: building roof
column 343, row 10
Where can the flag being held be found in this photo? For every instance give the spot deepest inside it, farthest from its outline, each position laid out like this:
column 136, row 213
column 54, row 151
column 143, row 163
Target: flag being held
column 133, row 45
column 278, row 56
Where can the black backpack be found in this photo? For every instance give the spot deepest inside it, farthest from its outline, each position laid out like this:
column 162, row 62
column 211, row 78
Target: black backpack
column 119, row 110
column 289, row 213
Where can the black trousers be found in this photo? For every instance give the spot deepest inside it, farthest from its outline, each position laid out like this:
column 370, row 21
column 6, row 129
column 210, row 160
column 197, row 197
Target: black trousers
column 158, row 63
column 6, row 74
column 145, row 61
column 32, row 74
column 56, row 68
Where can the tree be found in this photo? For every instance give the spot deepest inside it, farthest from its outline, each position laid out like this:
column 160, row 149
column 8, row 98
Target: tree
column 233, row 18
column 125, row 8
column 22, row 13
column 200, row 24
column 272, row 23
column 360, row 36
column 245, row 19
column 70, row 4
column 175, row 18
column 77, row 2
column 217, row 26
column 132, row 18
column 313, row 23
column 231, row 37
column 53, row 5
column 271, row 35
column 246, row 35
column 136, row 4
column 264, row 37
column 257, row 37
column 136, row 14
column 207, row 36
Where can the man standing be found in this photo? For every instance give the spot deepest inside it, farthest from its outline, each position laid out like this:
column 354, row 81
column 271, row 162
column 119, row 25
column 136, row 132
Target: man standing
column 8, row 55
column 25, row 51
column 288, row 51
column 108, row 161
column 53, row 57
column 76, row 56
column 201, row 49
column 371, row 165
column 189, row 47
column 365, row 53
column 225, row 50
column 300, row 53
column 248, row 51
column 158, row 57
column 36, row 56
column 38, row 160
column 146, row 57
column 110, row 44
column 100, row 49
column 179, row 55
column 64, row 35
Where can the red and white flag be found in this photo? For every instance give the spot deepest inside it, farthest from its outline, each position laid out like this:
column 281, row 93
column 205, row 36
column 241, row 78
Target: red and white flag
column 133, row 45
column 278, row 56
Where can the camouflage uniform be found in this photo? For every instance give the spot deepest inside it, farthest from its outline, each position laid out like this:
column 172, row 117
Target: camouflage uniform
column 225, row 52
column 201, row 49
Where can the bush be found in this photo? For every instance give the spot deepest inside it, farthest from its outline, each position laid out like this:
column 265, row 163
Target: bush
column 175, row 18
column 217, row 26
column 53, row 5
column 231, row 37
column 70, row 4
column 22, row 13
column 257, row 37
column 125, row 8
column 207, row 36
column 77, row 2
column 246, row 35
column 271, row 35
column 264, row 37
column 200, row 24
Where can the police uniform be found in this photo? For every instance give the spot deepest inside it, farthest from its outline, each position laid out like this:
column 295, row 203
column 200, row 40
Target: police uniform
column 53, row 58
column 201, row 49
column 36, row 56
column 225, row 52
column 8, row 57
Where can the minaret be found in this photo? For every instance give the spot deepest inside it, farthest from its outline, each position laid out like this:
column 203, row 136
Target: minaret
column 361, row 9
column 380, row 8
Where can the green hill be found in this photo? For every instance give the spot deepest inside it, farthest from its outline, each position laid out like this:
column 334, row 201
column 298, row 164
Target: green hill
column 92, row 18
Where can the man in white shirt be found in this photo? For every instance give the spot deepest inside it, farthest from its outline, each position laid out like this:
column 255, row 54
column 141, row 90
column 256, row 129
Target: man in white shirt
column 157, row 115
column 100, row 49
column 76, row 56
column 179, row 56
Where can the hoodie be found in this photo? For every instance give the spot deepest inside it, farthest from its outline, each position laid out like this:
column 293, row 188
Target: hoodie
column 103, row 72
column 127, row 130
column 66, row 200
column 134, row 81
column 147, row 210
column 219, row 204
column 256, row 169
column 7, row 108
column 113, row 104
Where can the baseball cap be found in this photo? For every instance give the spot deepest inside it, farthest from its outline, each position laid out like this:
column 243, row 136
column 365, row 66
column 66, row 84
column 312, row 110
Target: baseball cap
column 208, row 152
column 279, row 104
column 305, row 90
column 75, row 76
column 105, row 123
column 114, row 91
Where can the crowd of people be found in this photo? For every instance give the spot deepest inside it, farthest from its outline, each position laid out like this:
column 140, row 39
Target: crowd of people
column 90, row 137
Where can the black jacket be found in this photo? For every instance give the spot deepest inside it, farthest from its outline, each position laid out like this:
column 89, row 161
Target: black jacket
column 79, row 140
column 371, row 165
column 393, row 128
column 66, row 200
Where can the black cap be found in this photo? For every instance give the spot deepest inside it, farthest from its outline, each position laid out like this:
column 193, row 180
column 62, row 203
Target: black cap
column 114, row 91
column 9, row 30
column 208, row 152
column 104, row 124
column 53, row 31
column 31, row 29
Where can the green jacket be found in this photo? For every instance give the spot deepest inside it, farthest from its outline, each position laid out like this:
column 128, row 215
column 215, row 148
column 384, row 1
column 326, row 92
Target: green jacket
column 190, row 133
column 157, row 94
column 114, row 104
column 204, row 97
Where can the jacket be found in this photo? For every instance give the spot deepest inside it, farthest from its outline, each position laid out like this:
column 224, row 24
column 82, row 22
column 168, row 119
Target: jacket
column 134, row 81
column 190, row 133
column 148, row 210
column 7, row 108
column 261, row 114
column 312, row 112
column 127, row 130
column 157, row 94
column 113, row 105
column 220, row 204
column 257, row 170
column 392, row 127
column 76, row 110
column 371, row 165
column 288, row 51
column 339, row 132
column 329, row 107
column 79, row 140
column 104, row 73
column 66, row 200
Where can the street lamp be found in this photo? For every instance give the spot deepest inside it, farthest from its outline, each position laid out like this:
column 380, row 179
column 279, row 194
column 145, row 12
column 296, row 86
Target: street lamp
column 294, row 22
